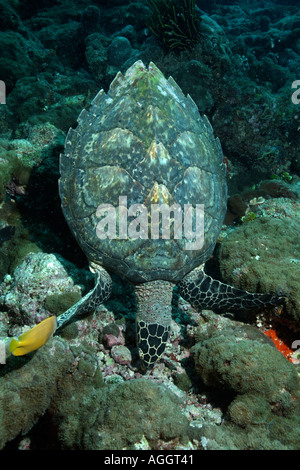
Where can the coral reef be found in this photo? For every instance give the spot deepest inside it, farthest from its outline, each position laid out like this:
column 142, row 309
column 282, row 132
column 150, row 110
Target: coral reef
column 119, row 51
column 18, row 157
column 220, row 384
column 35, row 279
column 240, row 71
column 265, row 386
column 98, row 400
column 27, row 391
column 126, row 413
column 262, row 255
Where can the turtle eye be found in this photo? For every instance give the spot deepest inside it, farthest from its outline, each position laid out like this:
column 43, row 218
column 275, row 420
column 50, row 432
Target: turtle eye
column 151, row 341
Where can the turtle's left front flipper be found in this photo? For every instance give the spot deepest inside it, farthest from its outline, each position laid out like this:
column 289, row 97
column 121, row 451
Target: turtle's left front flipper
column 91, row 300
column 37, row 336
column 204, row 292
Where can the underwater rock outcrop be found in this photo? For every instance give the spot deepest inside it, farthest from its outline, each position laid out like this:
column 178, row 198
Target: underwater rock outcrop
column 39, row 276
column 28, row 385
column 119, row 416
column 54, row 58
column 263, row 255
column 264, row 386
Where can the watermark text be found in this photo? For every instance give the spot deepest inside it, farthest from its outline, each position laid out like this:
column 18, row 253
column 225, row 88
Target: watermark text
column 296, row 95
column 2, row 92
column 2, row 353
column 161, row 222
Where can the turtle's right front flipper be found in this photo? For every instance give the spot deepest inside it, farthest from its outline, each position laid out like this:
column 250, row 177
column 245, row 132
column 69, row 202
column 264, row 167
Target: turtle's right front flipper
column 204, row 292
column 90, row 301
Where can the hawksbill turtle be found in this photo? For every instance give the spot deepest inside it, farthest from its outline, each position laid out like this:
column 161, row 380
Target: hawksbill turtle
column 143, row 190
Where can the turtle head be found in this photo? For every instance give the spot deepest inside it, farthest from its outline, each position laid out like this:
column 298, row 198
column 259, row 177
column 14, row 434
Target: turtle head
column 153, row 319
column 151, row 341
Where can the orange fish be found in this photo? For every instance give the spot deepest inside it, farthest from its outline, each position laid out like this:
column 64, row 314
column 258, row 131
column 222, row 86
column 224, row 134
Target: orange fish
column 33, row 339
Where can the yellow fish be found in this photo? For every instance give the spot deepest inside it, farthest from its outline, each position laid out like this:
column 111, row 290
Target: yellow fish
column 33, row 339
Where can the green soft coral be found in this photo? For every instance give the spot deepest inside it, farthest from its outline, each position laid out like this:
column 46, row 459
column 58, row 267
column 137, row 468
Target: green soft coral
column 174, row 23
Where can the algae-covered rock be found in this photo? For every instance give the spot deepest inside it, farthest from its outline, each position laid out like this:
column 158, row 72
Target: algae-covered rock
column 59, row 303
column 10, row 165
column 96, row 54
column 13, row 49
column 65, row 39
column 33, row 385
column 54, row 99
column 19, row 156
column 249, row 409
column 243, row 366
column 263, row 255
column 228, row 358
column 119, row 51
column 119, row 416
column 27, row 386
column 37, row 277
column 4, row 264
column 264, row 386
